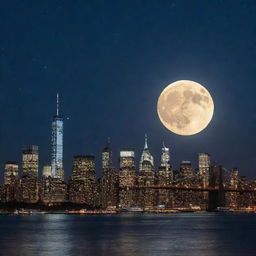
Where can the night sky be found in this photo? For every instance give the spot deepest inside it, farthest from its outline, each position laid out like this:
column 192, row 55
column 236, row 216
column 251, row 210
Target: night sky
column 110, row 60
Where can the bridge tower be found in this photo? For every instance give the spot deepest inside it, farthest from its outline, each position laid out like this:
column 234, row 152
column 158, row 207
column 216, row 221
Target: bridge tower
column 216, row 197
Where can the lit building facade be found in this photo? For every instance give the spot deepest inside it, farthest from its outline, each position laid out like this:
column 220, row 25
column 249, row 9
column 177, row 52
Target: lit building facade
column 11, row 171
column 165, row 177
column 83, row 186
column 146, row 197
column 186, row 171
column 107, row 155
column 28, row 190
column 57, row 170
column 47, row 171
column 30, row 160
column 165, row 157
column 127, row 178
column 146, row 156
column 53, row 191
column 232, row 197
column 11, row 179
column 109, row 188
column 146, row 177
column 109, row 180
column 204, row 164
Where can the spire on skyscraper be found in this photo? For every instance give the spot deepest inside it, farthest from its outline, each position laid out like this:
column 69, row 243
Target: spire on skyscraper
column 146, row 142
column 57, row 104
column 107, row 156
column 164, row 147
column 108, row 142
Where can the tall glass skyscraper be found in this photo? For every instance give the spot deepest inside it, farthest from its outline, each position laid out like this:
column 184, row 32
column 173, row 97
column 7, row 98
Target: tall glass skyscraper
column 57, row 145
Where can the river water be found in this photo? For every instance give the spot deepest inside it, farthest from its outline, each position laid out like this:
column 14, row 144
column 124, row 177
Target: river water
column 186, row 234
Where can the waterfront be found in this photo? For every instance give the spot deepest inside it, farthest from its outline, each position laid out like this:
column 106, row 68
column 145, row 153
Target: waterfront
column 200, row 234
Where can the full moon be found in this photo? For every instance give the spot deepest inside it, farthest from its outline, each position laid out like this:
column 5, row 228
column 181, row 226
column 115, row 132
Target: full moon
column 185, row 107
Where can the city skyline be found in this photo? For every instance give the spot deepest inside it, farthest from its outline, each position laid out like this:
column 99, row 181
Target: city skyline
column 136, row 183
column 56, row 157
column 57, row 152
column 126, row 187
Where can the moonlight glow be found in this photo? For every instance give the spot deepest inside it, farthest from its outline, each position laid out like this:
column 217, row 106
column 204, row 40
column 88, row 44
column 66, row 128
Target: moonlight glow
column 185, row 107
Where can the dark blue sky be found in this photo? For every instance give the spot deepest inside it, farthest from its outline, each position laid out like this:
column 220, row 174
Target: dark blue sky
column 110, row 60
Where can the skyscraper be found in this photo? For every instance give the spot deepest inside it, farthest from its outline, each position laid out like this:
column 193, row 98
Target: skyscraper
column 165, row 157
column 204, row 163
column 127, row 178
column 11, row 170
column 146, row 156
column 232, row 197
column 109, row 180
column 57, row 145
column 10, row 181
column 146, row 177
column 186, row 169
column 107, row 156
column 165, row 177
column 30, row 161
column 84, row 168
column 46, row 171
column 83, row 184
column 28, row 189
column 127, row 160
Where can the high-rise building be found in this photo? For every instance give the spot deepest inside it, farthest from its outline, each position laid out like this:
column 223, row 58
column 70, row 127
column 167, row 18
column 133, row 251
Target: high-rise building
column 53, row 191
column 204, row 164
column 30, row 161
column 84, row 188
column 186, row 169
column 83, row 167
column 234, row 178
column 165, row 177
column 109, row 180
column 107, row 156
column 146, row 177
column 127, row 178
column 165, row 157
column 146, row 156
column 185, row 177
column 109, row 188
column 57, row 145
column 11, row 171
column 232, row 197
column 10, row 181
column 127, row 159
column 28, row 189
column 47, row 171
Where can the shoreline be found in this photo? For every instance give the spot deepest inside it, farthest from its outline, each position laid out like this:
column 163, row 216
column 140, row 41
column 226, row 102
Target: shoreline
column 118, row 212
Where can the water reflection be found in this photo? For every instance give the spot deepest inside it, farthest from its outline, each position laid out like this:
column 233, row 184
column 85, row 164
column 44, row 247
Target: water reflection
column 174, row 234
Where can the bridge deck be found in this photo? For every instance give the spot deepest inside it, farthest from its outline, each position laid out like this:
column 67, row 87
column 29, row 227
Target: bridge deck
column 194, row 188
